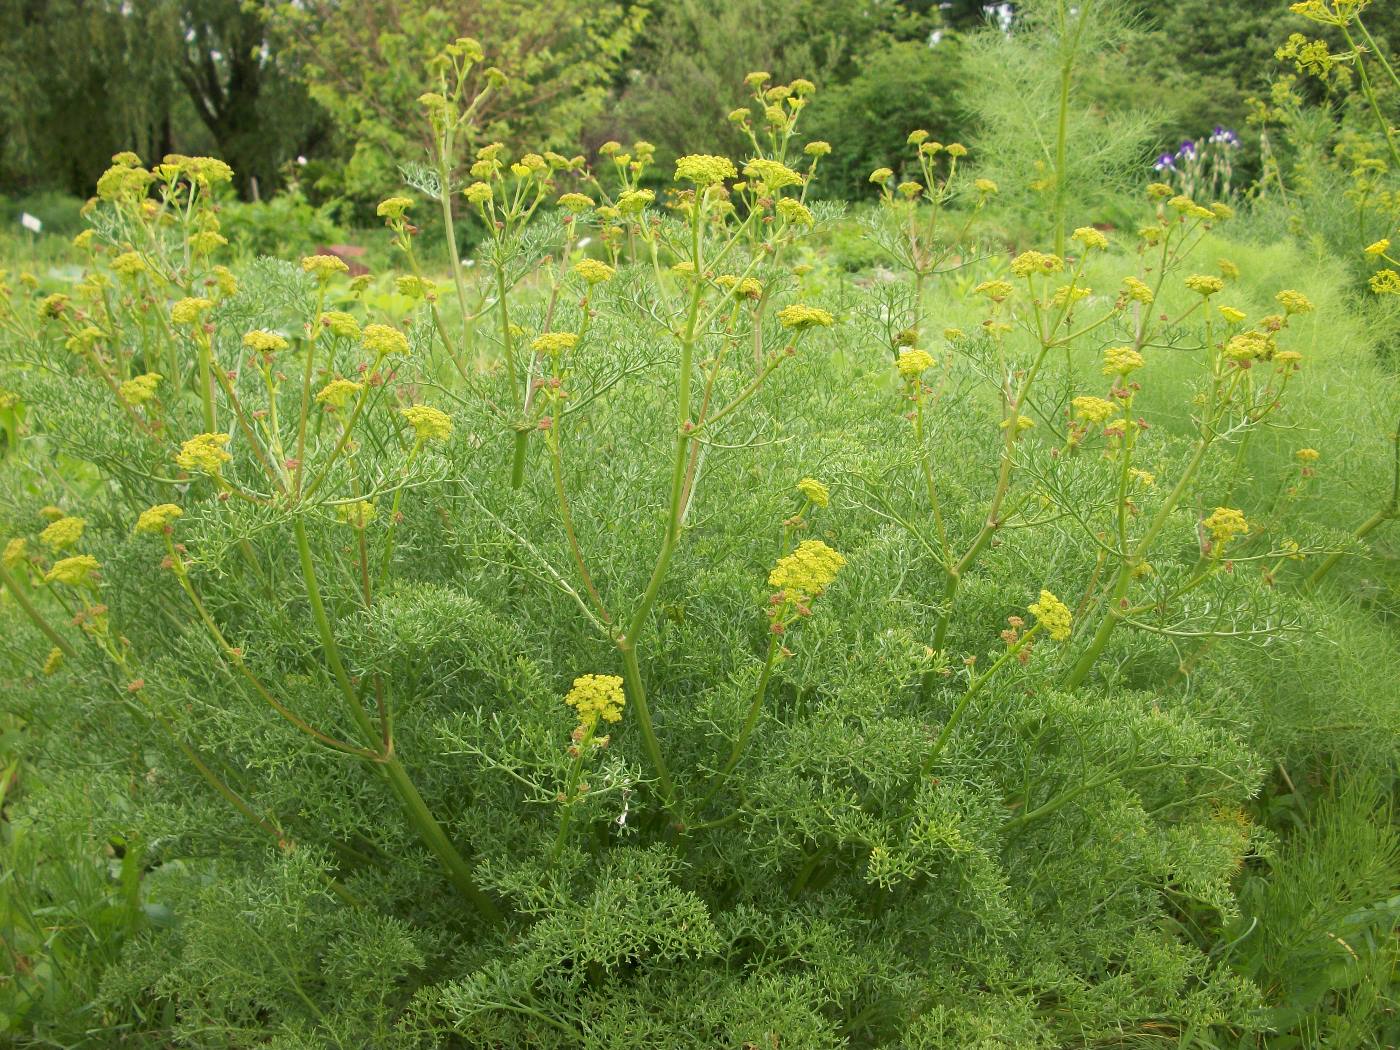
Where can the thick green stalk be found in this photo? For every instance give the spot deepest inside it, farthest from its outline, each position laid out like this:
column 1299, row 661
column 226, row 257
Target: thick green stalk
column 458, row 868
column 973, row 690
column 1113, row 613
column 750, row 721
column 35, row 616
column 674, row 514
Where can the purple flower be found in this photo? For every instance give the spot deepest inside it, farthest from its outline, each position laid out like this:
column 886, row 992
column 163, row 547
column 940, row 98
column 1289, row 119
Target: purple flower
column 1188, row 149
column 1224, row 136
column 1166, row 162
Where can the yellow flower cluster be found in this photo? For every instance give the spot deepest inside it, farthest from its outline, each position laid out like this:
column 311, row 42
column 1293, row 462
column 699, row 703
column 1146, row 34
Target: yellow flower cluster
column 575, row 202
column 382, row 340
column 997, row 291
column 74, row 571
column 741, row 287
column 1093, row 409
column 807, row 571
column 393, row 208
column 704, row 169
column 795, row 212
column 596, row 697
column 357, row 515
column 594, row 271
column 204, row 452
column 799, row 317
column 1032, row 262
column 634, row 201
column 1052, row 614
column 341, row 324
column 187, row 311
column 1120, row 360
column 337, row 393
column 1231, row 315
column 913, row 363
column 157, row 519
column 264, row 342
column 429, row 424
column 554, row 343
column 1204, row 283
column 140, row 389
column 1249, row 346
column 415, row 287
column 1225, row 523
column 1090, row 238
column 129, row 264
column 815, row 491
column 1307, row 455
column 324, row 267
column 771, row 175
column 1068, row 294
column 63, row 533
column 16, row 551
column 1294, row 302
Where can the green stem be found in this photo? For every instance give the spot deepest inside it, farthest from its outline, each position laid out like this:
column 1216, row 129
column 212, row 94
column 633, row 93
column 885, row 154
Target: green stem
column 36, row 617
column 750, row 721
column 973, row 690
column 458, row 868
column 632, row 672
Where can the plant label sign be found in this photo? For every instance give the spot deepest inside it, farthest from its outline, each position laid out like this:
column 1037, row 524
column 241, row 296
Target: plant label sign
column 30, row 222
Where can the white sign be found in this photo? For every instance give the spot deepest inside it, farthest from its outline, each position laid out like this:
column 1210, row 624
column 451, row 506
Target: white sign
column 29, row 222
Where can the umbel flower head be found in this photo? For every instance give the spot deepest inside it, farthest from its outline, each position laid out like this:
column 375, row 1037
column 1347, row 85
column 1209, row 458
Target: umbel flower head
column 1225, row 523
column 188, row 311
column 554, row 343
column 63, row 533
column 913, row 363
column 740, row 287
column 341, row 324
column 15, row 553
column 383, row 340
column 204, row 453
column 799, row 317
column 337, row 393
column 1137, row 291
column 1052, row 614
column 1294, row 302
column 596, row 697
column 1093, row 409
column 807, row 571
column 74, row 571
column 264, row 342
column 1032, row 262
column 771, row 175
column 428, row 423
column 1090, row 238
column 1205, row 283
column 157, row 519
column 324, row 267
column 815, row 491
column 357, row 515
column 1120, row 360
column 795, row 212
column 140, row 389
column 575, row 202
column 594, row 271
column 393, row 208
column 704, row 169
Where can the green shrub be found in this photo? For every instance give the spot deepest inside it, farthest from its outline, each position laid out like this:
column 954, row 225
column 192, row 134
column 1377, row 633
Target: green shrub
column 660, row 641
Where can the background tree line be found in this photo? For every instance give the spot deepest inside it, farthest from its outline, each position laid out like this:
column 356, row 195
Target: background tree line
column 261, row 83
